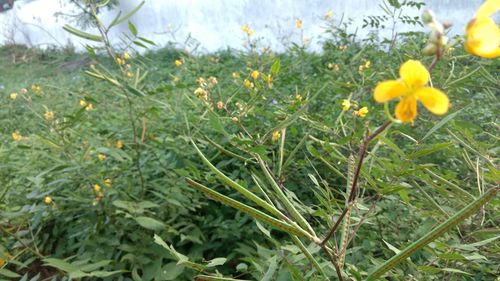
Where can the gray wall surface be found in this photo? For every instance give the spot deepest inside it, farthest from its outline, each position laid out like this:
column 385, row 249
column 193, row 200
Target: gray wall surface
column 216, row 24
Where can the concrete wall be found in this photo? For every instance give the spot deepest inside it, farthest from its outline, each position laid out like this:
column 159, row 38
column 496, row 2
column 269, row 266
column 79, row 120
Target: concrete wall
column 215, row 24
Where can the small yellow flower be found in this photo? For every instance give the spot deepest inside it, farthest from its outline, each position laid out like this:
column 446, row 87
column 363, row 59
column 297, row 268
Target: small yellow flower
column 410, row 88
column 108, row 182
column 483, row 34
column 236, row 75
column 212, row 81
column 120, row 61
column 248, row 84
column 89, row 107
column 201, row 82
column 255, row 74
column 97, row 188
column 298, row 98
column 83, row 103
column 361, row 112
column 126, row 56
column 13, row 96
column 17, row 137
column 201, row 93
column 298, row 23
column 129, row 74
column 343, row 48
column 49, row 115
column 329, row 15
column 333, row 66
column 235, row 119
column 220, row 105
column 276, row 136
column 36, row 89
column 119, row 144
column 346, row 104
column 247, row 30
column 178, row 63
column 48, row 200
column 101, row 157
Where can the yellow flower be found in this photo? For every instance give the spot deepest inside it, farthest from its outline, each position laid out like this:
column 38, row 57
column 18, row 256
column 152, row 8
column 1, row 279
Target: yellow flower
column 36, row 89
column 126, row 56
column 108, row 182
column 333, row 66
column 298, row 98
column 129, row 74
column 178, row 63
column 97, row 188
column 410, row 88
column 220, row 105
column 83, row 103
column 119, row 144
column 276, row 136
column 17, row 137
column 362, row 111
column 329, row 15
column 49, row 115
column 201, row 93
column 89, row 107
column 48, row 200
column 120, row 61
column 298, row 23
column 235, row 119
column 255, row 74
column 236, row 75
column 212, row 81
column 247, row 30
column 346, row 104
column 483, row 34
column 13, row 96
column 247, row 83
column 101, row 157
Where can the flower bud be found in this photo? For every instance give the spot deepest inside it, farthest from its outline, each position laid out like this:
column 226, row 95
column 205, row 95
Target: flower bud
column 430, row 50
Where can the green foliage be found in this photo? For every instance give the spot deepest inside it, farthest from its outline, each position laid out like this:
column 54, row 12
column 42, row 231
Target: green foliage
column 280, row 151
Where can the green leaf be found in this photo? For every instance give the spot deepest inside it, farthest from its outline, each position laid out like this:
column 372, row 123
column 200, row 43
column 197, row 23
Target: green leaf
column 82, row 34
column 150, row 223
column 7, row 273
column 61, row 264
column 244, row 191
column 216, row 262
column 132, row 28
column 456, row 219
column 441, row 123
column 216, row 278
column 275, row 68
column 118, row 20
column 249, row 210
column 273, row 265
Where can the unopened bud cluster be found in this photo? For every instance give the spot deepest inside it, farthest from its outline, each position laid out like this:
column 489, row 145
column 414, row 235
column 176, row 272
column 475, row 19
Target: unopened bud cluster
column 437, row 40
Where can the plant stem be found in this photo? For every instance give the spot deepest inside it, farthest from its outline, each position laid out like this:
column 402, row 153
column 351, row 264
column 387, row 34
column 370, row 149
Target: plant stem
column 352, row 194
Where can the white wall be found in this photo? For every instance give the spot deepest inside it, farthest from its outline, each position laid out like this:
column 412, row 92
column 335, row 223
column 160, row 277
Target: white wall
column 215, row 24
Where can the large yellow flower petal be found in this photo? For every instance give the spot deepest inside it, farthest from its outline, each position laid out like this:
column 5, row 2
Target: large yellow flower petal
column 488, row 8
column 483, row 38
column 434, row 100
column 414, row 74
column 406, row 110
column 388, row 90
